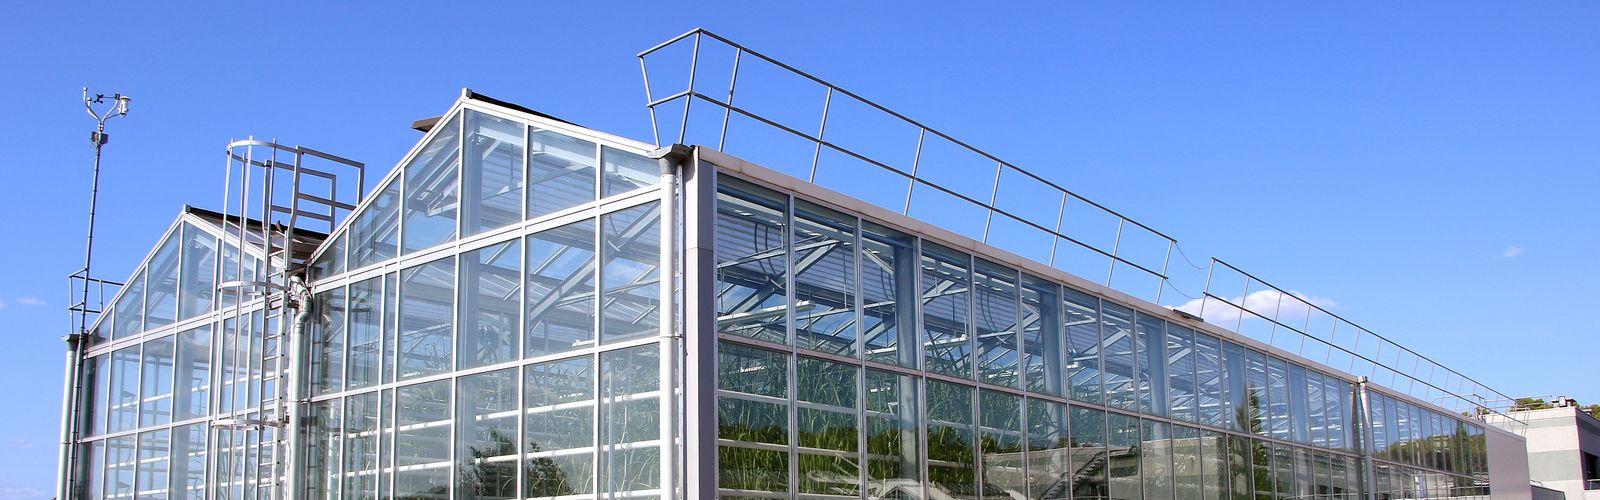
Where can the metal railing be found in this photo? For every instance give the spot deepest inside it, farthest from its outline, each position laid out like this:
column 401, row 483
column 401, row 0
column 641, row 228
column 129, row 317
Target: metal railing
column 969, row 190
column 1241, row 302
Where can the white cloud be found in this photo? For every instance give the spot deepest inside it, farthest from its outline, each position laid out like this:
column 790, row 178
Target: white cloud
column 1292, row 308
column 30, row 301
column 1511, row 252
column 23, row 443
column 22, row 493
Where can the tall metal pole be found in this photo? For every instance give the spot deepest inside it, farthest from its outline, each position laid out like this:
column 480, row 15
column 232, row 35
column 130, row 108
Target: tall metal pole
column 75, row 339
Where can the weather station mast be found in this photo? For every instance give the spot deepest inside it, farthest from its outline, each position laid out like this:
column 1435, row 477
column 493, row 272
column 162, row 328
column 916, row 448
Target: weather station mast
column 82, row 313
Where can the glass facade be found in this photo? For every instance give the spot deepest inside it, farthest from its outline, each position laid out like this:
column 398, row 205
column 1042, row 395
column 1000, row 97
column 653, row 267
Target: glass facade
column 487, row 324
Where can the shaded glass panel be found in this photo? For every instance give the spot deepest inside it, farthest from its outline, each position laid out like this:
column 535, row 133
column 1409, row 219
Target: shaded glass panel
column 825, row 280
column 560, row 289
column 752, row 419
column 622, row 171
column 427, row 293
column 752, row 262
column 1261, row 462
column 199, row 273
column 422, row 440
column 1283, row 471
column 893, row 425
column 1316, row 409
column 561, row 172
column 490, row 298
column 375, row 231
column 431, row 184
column 1090, row 453
column 1278, row 399
column 1255, row 410
column 1151, row 345
column 328, row 341
column 1180, row 371
column 1004, row 471
column 1116, row 328
column 155, row 394
column 629, row 419
column 1042, row 336
column 192, row 366
column 1215, row 474
column 888, row 295
column 1240, row 469
column 486, row 435
column 366, row 319
column 952, row 459
column 1188, row 469
column 558, row 431
column 1156, row 459
column 1210, row 383
column 1236, row 409
column 1299, row 413
column 491, row 178
column 1122, row 436
column 995, row 319
column 1050, row 449
column 946, row 342
column 1083, row 345
column 161, row 292
column 630, row 243
column 826, row 428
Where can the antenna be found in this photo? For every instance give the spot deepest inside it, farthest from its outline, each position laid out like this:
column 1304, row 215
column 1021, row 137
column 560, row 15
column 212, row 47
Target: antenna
column 101, row 108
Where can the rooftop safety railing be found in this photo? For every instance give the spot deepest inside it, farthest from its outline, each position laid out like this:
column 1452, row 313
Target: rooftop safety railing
column 702, row 88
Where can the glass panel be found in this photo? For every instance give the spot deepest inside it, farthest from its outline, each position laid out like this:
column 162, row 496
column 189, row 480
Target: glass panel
column 1088, row 449
column 561, row 172
column 189, row 462
column 1187, row 469
column 1151, row 345
column 825, row 280
column 1239, row 468
column 486, row 435
column 430, row 190
column 391, row 340
column 155, row 395
column 1261, row 460
column 560, row 289
column 1283, row 465
column 1123, row 438
column 366, row 317
column 1180, row 370
column 120, row 463
column 422, row 440
column 624, row 171
column 199, row 272
column 629, row 414
column 161, row 296
column 327, row 342
column 1156, row 452
column 826, row 428
column 193, row 374
column 375, row 231
column 752, row 256
column 752, row 419
column 1000, row 443
column 1303, row 479
column 1300, row 431
column 946, row 344
column 331, row 261
column 952, row 461
column 888, row 295
column 892, row 442
column 96, row 394
column 490, row 296
column 1208, row 373
column 426, row 296
column 559, row 430
column 1255, row 408
column 1050, row 450
column 630, row 243
column 995, row 318
column 1278, row 399
column 1041, row 336
column 322, row 453
column 1237, row 407
column 128, row 312
column 491, row 179
column 1083, row 345
column 1316, row 410
column 93, row 470
column 1214, row 470
column 360, row 472
column 153, row 465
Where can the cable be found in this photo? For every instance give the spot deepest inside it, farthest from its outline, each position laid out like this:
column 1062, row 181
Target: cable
column 1185, row 256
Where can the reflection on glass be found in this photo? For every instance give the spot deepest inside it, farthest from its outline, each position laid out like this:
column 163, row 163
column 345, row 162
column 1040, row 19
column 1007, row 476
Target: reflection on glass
column 426, row 295
column 1187, row 469
column 490, row 298
column 630, row 243
column 431, row 184
column 1155, row 452
column 752, row 262
column 1122, row 438
column 1050, row 451
column 1089, row 447
column 560, row 289
column 486, row 435
column 558, row 429
column 491, row 177
column 825, row 280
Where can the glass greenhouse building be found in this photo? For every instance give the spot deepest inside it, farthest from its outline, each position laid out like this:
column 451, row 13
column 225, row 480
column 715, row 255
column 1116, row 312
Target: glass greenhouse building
column 525, row 308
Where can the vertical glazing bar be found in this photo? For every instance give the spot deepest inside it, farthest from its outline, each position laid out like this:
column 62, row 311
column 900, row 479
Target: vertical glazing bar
column 727, row 111
column 822, row 129
column 694, row 63
column 994, row 192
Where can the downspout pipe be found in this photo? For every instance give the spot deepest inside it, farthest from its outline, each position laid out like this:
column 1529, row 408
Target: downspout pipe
column 70, row 387
column 298, row 297
column 671, row 160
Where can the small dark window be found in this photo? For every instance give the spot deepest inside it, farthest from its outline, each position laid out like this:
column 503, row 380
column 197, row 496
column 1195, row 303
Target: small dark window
column 1591, row 472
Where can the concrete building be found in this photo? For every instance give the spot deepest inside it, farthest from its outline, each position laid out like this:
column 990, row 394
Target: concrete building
column 1563, row 448
column 528, row 308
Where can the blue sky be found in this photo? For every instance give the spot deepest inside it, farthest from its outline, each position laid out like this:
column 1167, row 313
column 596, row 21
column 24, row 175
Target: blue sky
column 1429, row 168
